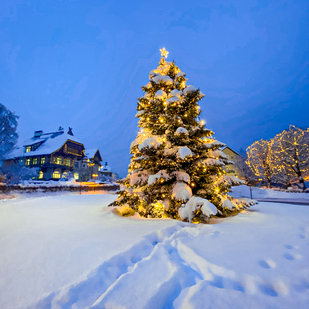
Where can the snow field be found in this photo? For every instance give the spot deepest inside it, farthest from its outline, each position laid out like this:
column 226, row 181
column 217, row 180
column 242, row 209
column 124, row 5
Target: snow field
column 73, row 252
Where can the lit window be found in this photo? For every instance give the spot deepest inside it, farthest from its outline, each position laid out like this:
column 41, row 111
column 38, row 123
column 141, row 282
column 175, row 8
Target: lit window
column 98, row 168
column 28, row 148
column 41, row 174
column 35, row 161
column 56, row 175
column 58, row 160
column 42, row 160
column 76, row 176
column 67, row 162
column 27, row 162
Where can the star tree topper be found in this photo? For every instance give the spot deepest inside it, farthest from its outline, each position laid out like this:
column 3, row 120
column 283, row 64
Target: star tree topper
column 164, row 52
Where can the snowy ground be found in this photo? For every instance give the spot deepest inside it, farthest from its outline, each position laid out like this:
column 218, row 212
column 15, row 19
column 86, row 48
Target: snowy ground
column 71, row 251
column 257, row 193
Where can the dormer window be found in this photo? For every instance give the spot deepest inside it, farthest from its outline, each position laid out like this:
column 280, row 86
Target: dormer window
column 27, row 148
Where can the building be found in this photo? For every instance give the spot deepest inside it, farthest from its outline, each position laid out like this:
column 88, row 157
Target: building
column 88, row 167
column 57, row 155
column 235, row 157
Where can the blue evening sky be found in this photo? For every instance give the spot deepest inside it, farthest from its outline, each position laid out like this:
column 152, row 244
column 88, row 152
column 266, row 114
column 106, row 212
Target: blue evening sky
column 82, row 64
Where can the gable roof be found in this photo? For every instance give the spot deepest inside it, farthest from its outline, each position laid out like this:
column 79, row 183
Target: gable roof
column 50, row 142
column 90, row 153
column 227, row 147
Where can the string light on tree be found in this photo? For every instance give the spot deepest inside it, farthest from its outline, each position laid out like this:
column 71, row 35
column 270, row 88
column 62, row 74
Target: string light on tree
column 176, row 154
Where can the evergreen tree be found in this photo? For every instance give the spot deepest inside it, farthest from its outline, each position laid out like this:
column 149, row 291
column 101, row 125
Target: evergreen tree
column 176, row 167
column 8, row 126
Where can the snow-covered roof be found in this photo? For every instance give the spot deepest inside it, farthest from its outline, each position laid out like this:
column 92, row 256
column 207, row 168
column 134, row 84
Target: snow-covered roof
column 50, row 142
column 227, row 147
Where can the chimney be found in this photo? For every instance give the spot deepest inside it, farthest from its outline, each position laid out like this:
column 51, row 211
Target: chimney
column 38, row 133
column 70, row 131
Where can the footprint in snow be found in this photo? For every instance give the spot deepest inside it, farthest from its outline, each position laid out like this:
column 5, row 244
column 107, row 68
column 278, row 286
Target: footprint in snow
column 291, row 247
column 292, row 257
column 267, row 264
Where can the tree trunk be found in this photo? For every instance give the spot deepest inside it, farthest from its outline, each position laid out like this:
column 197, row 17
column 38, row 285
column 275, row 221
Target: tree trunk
column 301, row 181
column 268, row 182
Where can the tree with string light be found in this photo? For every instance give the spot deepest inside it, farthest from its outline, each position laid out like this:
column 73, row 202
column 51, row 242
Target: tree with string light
column 260, row 160
column 176, row 167
column 291, row 153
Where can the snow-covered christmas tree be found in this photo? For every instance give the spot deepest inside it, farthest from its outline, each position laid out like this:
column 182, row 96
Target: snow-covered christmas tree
column 176, row 167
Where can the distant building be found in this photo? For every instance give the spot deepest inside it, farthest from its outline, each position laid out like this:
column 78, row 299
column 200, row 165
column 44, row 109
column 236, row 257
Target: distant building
column 235, row 157
column 57, row 154
column 89, row 167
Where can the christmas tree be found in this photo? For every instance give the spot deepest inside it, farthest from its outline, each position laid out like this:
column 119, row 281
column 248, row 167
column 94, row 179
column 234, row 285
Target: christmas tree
column 176, row 167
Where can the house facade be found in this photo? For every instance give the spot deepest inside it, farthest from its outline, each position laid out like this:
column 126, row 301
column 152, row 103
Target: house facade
column 57, row 155
column 89, row 166
column 235, row 157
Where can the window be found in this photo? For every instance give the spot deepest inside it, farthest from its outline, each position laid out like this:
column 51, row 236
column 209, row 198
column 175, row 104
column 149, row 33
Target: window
column 58, row 160
column 56, row 174
column 41, row 174
column 84, row 165
column 42, row 160
column 76, row 176
column 27, row 162
column 27, row 148
column 76, row 164
column 35, row 160
column 67, row 162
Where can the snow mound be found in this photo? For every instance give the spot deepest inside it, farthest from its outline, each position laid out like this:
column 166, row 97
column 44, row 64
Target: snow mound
column 210, row 162
column 188, row 89
column 172, row 100
column 230, row 180
column 162, row 78
column 181, row 191
column 182, row 175
column 139, row 113
column 228, row 204
column 195, row 202
column 150, row 142
column 210, row 143
column 184, row 152
column 176, row 93
column 137, row 178
column 244, row 202
column 182, row 130
column 154, row 178
column 217, row 154
column 160, row 94
column 180, row 74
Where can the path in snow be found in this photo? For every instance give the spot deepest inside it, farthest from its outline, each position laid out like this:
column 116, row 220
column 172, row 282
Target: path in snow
column 166, row 270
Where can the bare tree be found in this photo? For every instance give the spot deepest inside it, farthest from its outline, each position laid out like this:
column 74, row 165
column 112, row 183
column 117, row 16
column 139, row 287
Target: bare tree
column 259, row 159
column 291, row 153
